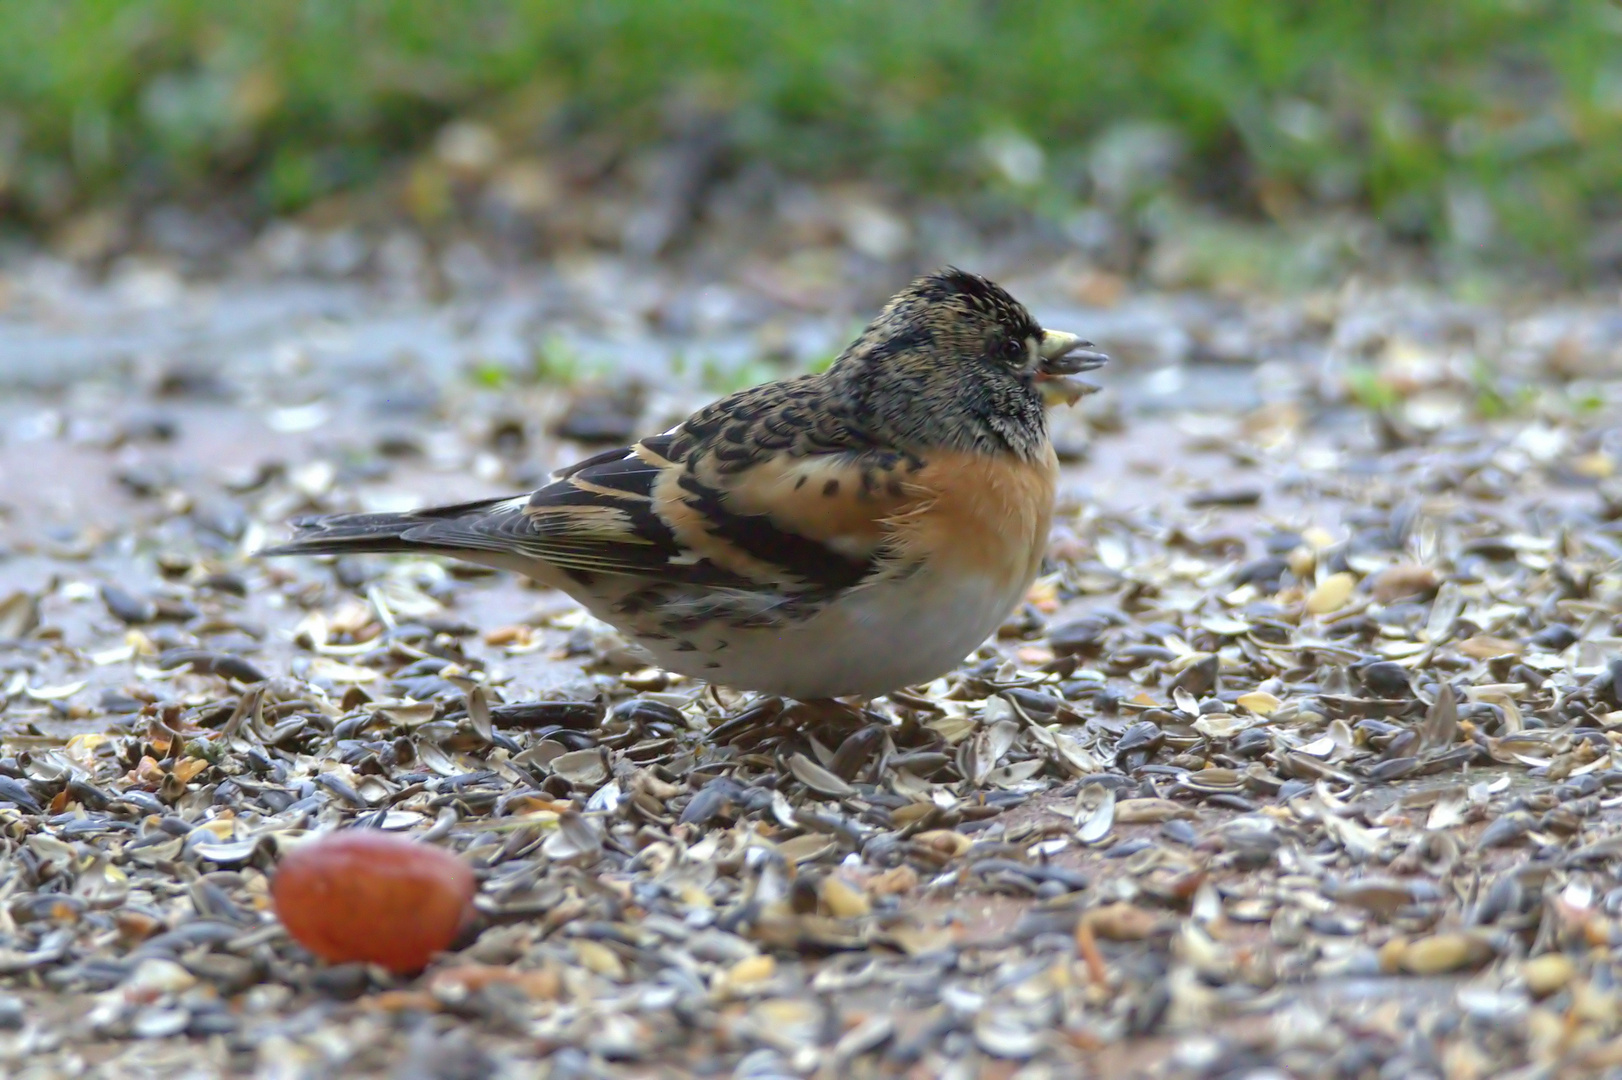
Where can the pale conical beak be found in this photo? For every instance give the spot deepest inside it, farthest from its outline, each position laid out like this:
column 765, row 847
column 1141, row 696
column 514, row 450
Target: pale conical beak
column 1064, row 355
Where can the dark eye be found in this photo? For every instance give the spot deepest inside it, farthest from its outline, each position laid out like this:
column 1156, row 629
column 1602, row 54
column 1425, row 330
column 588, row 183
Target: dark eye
column 1014, row 349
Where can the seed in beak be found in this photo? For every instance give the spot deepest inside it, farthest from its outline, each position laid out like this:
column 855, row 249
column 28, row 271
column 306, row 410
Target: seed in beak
column 1064, row 355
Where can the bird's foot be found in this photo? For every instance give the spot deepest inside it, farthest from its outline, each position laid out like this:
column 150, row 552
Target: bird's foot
column 829, row 711
column 756, row 719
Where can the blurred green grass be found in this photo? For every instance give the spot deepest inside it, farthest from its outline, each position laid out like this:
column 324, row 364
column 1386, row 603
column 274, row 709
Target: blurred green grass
column 1481, row 123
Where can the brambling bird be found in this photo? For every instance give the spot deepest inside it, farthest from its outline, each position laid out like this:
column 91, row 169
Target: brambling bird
column 841, row 534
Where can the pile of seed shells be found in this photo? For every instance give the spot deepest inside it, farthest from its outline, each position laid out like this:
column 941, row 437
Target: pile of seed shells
column 1302, row 761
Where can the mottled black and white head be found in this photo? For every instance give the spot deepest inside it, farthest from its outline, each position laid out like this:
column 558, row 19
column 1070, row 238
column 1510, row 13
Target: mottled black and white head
column 953, row 360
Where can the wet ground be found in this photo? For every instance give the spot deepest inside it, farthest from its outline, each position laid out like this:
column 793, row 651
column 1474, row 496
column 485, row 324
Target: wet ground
column 1301, row 759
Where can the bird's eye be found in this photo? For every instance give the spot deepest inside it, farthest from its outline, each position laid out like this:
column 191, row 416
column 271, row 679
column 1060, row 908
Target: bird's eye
column 1014, row 349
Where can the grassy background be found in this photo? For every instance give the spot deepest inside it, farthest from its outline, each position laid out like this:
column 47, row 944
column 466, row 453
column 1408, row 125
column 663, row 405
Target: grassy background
column 1483, row 123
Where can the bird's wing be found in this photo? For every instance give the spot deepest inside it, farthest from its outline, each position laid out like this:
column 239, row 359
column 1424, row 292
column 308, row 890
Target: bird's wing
column 814, row 523
column 767, row 490
column 770, row 488
column 740, row 496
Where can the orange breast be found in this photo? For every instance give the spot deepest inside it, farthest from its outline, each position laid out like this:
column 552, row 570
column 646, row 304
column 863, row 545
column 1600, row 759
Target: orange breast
column 986, row 516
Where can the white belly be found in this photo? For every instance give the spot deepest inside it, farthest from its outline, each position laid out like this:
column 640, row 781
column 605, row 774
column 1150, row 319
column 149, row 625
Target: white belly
column 870, row 642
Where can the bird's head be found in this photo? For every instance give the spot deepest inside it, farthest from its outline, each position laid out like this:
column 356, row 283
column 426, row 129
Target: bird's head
column 953, row 359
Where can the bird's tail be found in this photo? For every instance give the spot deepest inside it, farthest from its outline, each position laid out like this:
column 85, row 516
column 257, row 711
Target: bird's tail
column 354, row 534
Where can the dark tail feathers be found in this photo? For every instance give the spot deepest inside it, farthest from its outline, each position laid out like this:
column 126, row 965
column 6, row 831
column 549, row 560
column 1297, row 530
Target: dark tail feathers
column 354, row 534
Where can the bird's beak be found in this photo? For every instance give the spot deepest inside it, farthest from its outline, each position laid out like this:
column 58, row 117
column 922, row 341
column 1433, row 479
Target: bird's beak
column 1063, row 355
